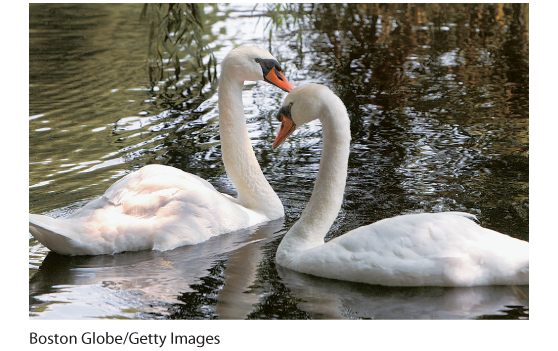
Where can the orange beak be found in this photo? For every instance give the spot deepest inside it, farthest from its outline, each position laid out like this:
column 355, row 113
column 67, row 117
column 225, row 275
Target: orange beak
column 287, row 128
column 278, row 79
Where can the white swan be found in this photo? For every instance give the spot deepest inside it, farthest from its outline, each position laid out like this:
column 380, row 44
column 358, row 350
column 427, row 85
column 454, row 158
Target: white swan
column 161, row 207
column 429, row 249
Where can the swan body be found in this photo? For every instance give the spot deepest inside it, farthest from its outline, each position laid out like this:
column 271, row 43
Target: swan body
column 160, row 207
column 427, row 249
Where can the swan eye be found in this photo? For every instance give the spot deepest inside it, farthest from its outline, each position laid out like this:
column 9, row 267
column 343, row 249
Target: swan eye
column 285, row 111
column 269, row 64
column 288, row 108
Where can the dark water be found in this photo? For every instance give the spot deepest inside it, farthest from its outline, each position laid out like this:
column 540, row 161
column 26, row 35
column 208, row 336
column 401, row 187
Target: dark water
column 438, row 97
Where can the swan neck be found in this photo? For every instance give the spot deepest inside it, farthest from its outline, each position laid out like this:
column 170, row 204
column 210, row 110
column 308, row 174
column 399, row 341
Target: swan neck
column 241, row 164
column 327, row 196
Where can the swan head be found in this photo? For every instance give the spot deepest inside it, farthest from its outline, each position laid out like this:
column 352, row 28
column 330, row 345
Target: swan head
column 252, row 63
column 305, row 104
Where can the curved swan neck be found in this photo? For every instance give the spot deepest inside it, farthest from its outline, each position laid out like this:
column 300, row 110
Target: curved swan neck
column 242, row 167
column 327, row 196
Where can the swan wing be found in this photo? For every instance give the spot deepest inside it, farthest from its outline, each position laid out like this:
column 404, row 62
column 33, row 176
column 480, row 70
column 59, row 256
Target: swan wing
column 156, row 207
column 150, row 179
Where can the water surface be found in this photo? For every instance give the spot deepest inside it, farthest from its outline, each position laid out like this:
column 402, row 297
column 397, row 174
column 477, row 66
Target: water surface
column 438, row 97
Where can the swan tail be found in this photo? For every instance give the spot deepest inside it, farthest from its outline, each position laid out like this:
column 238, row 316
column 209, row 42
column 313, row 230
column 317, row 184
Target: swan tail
column 55, row 234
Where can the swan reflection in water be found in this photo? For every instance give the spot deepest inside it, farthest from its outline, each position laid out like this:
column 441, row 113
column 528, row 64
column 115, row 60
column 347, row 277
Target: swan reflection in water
column 334, row 299
column 150, row 284
column 145, row 284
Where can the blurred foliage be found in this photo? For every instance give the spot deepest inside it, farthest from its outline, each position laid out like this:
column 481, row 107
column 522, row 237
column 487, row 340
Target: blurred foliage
column 401, row 54
column 284, row 16
column 179, row 55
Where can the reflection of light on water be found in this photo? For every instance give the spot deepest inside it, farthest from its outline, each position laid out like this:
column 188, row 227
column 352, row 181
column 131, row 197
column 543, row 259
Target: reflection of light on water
column 108, row 163
column 429, row 119
column 452, row 58
column 40, row 183
column 36, row 116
